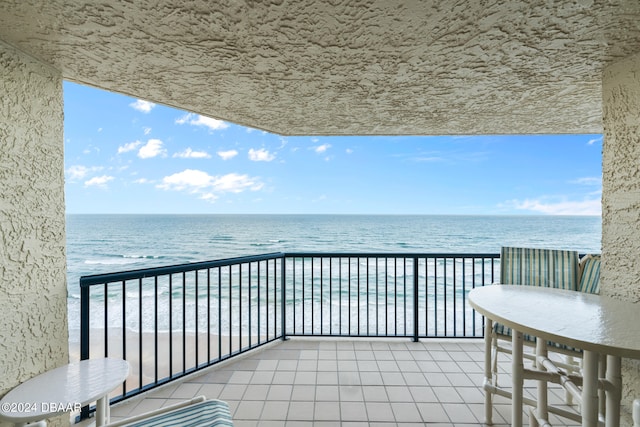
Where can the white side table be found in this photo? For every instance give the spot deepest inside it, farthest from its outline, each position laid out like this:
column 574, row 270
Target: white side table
column 65, row 389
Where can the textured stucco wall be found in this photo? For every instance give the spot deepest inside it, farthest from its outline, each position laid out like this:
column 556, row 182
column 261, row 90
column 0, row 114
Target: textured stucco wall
column 621, row 196
column 33, row 293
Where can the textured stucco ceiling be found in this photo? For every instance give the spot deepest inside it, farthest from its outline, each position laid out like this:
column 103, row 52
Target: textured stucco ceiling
column 310, row 67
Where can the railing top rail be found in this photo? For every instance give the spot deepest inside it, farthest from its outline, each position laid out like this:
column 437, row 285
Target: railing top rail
column 389, row 255
column 96, row 279
column 120, row 276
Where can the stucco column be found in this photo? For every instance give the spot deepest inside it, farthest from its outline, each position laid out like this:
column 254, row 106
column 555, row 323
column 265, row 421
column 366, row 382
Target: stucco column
column 620, row 276
column 33, row 293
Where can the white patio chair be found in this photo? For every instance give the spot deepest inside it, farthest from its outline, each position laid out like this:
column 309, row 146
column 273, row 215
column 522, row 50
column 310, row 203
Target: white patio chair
column 529, row 267
column 546, row 268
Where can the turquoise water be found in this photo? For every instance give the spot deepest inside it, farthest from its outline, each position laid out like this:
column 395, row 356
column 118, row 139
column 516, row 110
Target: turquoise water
column 110, row 243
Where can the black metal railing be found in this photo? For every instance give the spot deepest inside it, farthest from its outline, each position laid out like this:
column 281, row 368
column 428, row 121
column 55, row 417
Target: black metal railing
column 171, row 321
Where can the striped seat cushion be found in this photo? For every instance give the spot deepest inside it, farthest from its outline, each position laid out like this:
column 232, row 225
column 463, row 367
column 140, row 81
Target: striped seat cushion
column 550, row 268
column 204, row 414
column 590, row 274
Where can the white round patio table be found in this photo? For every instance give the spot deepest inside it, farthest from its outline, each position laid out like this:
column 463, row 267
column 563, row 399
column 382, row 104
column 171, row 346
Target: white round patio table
column 64, row 389
column 596, row 324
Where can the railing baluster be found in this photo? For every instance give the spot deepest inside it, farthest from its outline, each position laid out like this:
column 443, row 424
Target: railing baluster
column 283, row 298
column 249, row 303
column 293, row 287
column 184, row 322
column 85, row 335
column 275, row 300
column 368, row 333
column 404, row 292
column 219, row 313
column 155, row 328
column 196, row 318
column 349, row 295
column 340, row 295
column 321, row 295
column 239, row 307
column 395, row 296
column 230, row 328
column 106, row 321
column 415, row 300
column 170, row 325
column 140, row 332
column 124, row 328
column 386, row 296
column 377, row 296
column 259, row 303
column 426, row 297
column 358, row 293
column 453, row 296
column 330, row 296
column 208, row 316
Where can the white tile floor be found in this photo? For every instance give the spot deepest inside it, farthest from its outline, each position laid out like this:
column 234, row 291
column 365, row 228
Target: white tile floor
column 303, row 382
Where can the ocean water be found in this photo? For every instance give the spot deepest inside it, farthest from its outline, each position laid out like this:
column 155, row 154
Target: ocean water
column 110, row 243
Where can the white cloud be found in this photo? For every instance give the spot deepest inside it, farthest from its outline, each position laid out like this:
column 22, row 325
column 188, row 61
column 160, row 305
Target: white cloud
column 209, row 197
column 129, row 147
column 594, row 140
column 322, row 148
column 559, row 206
column 260, row 155
column 147, row 131
column 142, row 181
column 349, row 151
column 98, row 181
column 208, row 187
column 153, row 148
column 188, row 179
column 236, row 183
column 142, row 106
column 78, row 172
column 226, row 155
column 587, row 181
column 198, row 120
column 190, row 154
column 428, row 159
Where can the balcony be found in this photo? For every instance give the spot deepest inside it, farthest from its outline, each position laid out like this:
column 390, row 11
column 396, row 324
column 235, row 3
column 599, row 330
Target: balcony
column 296, row 339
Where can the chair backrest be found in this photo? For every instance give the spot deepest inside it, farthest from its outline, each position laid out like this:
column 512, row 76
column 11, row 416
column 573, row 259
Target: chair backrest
column 551, row 268
column 590, row 274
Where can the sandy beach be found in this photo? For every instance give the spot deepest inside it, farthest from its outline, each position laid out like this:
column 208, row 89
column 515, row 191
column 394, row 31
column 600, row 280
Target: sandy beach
column 168, row 356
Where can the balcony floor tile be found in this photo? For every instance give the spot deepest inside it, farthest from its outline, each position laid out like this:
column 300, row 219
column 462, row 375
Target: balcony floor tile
column 349, row 383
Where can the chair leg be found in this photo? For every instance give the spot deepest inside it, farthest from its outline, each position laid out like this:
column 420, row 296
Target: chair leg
column 542, row 410
column 568, row 398
column 494, row 357
column 488, row 377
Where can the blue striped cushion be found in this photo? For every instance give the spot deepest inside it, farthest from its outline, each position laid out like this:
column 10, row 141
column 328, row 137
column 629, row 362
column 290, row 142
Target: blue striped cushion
column 590, row 276
column 551, row 268
column 204, row 414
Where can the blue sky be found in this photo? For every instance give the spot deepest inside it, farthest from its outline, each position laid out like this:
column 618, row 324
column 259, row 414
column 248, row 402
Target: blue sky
column 124, row 155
